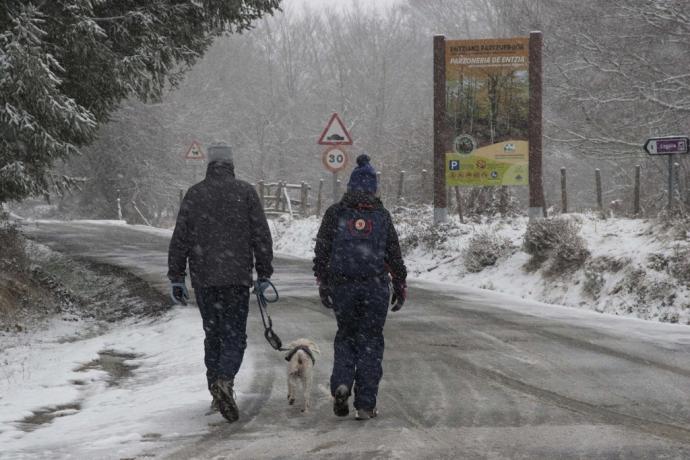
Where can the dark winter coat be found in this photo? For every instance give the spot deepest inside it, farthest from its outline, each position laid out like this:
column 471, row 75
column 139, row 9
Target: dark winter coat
column 327, row 232
column 222, row 230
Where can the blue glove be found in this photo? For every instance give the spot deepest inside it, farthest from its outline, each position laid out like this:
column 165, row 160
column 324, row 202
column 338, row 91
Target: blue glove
column 261, row 284
column 179, row 293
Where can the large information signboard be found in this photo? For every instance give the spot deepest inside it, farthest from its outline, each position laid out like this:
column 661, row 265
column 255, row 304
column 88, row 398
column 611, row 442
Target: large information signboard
column 487, row 105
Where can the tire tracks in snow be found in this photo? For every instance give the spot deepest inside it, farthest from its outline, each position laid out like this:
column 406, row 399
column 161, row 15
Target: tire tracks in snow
column 591, row 411
column 582, row 344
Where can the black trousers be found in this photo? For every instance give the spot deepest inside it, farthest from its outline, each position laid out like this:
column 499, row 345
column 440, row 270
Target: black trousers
column 360, row 309
column 224, row 312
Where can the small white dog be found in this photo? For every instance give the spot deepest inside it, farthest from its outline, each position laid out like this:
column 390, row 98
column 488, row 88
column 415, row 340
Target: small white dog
column 301, row 361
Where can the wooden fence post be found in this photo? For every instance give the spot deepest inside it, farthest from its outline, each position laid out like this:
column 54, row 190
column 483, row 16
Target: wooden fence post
column 600, row 202
column 636, row 192
column 319, row 197
column 119, row 207
column 458, row 202
column 261, row 194
column 284, row 196
column 379, row 185
column 279, row 196
column 304, row 194
column 422, row 189
column 564, row 193
column 401, row 187
column 141, row 214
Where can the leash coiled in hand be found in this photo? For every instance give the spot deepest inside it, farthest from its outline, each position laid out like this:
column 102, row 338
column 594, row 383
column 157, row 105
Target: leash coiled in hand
column 263, row 301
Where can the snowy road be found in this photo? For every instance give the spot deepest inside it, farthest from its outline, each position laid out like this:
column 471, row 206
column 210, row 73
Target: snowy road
column 467, row 374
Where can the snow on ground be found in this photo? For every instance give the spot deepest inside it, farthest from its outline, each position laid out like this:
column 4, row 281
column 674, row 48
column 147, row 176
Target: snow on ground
column 65, row 394
column 629, row 271
column 635, row 286
column 70, row 390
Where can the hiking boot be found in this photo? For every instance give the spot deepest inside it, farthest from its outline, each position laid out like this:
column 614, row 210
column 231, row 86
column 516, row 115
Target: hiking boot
column 222, row 390
column 340, row 405
column 364, row 414
column 215, row 407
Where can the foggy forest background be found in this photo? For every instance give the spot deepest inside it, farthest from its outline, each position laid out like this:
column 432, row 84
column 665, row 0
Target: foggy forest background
column 616, row 72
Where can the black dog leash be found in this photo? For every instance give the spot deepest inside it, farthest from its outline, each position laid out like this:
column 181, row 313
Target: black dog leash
column 263, row 301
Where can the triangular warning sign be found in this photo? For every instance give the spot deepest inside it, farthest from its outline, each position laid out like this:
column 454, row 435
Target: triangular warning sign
column 335, row 133
column 195, row 152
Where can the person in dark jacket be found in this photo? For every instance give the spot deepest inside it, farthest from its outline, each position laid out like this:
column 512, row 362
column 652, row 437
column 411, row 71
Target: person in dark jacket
column 356, row 250
column 222, row 231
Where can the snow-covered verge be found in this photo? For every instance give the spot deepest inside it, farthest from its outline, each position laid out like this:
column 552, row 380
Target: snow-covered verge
column 108, row 371
column 85, row 353
column 138, row 387
column 38, row 284
column 633, row 267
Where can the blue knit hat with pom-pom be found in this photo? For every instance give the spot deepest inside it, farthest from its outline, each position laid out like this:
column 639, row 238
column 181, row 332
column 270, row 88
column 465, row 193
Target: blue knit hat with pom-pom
column 363, row 177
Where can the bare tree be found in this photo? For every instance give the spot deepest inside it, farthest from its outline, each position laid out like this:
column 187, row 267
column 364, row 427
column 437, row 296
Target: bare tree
column 270, row 91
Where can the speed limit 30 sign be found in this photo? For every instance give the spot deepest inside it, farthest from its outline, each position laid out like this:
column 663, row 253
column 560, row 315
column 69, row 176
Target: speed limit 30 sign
column 334, row 158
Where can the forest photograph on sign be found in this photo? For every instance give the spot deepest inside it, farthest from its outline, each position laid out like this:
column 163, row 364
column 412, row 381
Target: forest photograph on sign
column 487, row 104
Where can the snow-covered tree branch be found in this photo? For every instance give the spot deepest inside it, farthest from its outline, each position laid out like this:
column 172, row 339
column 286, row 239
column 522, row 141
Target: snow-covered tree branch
column 65, row 66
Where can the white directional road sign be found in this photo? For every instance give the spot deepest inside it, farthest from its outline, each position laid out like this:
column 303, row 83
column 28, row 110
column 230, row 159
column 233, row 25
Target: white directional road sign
column 666, row 145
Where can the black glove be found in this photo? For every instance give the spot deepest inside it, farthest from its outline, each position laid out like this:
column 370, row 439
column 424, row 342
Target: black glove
column 179, row 293
column 326, row 295
column 399, row 295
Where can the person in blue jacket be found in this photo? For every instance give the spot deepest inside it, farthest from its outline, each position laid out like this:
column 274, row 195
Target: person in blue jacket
column 357, row 254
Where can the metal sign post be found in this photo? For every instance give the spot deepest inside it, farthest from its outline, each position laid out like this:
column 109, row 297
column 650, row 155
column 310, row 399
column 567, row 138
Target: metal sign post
column 335, row 187
column 670, row 146
column 669, row 205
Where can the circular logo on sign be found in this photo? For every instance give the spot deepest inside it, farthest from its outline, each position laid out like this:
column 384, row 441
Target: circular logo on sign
column 464, row 144
column 360, row 224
